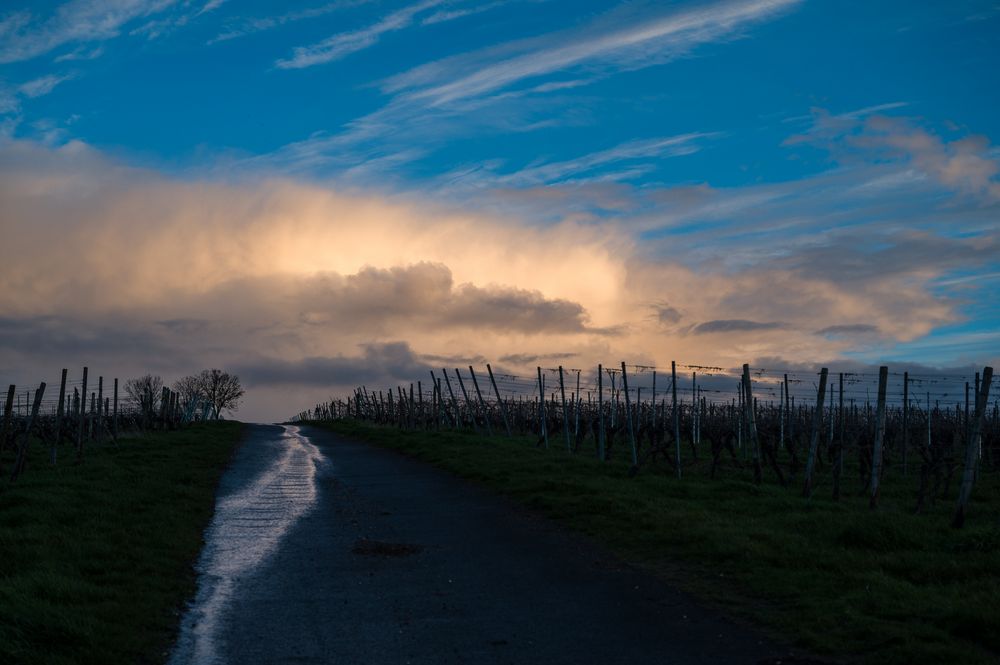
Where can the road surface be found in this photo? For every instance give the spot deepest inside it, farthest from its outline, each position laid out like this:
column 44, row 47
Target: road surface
column 325, row 550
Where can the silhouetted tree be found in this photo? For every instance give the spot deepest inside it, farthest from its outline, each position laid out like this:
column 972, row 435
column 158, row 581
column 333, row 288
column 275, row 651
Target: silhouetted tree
column 221, row 389
column 144, row 391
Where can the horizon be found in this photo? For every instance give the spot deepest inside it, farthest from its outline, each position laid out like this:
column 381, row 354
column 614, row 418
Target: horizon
column 354, row 192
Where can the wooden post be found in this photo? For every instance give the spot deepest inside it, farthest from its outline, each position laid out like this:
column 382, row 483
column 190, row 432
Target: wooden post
column 83, row 417
column 22, row 450
column 60, row 412
column 420, row 403
column 541, row 408
column 628, row 417
column 750, row 418
column 482, row 402
column 562, row 392
column 906, row 416
column 468, row 402
column 600, row 412
column 883, row 379
column 500, row 402
column 814, row 438
column 7, row 416
column 100, row 407
column 454, row 402
column 677, row 417
column 654, row 400
column 838, row 464
column 972, row 448
column 576, row 408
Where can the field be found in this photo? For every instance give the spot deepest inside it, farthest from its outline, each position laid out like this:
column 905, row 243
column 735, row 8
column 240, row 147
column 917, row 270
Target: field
column 96, row 558
column 837, row 578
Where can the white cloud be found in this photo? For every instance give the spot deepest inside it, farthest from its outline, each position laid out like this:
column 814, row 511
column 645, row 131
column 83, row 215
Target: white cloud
column 73, row 22
column 345, row 43
column 42, row 86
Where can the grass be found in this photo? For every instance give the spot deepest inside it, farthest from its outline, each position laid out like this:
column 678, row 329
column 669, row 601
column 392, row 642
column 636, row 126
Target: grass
column 96, row 559
column 885, row 586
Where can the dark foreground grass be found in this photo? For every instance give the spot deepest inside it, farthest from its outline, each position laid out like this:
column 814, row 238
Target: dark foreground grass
column 95, row 559
column 885, row 586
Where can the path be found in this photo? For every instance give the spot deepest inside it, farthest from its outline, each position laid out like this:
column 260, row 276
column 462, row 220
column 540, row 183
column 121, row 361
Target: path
column 324, row 550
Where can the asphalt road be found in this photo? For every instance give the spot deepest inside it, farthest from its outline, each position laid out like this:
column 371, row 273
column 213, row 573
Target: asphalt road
column 324, row 550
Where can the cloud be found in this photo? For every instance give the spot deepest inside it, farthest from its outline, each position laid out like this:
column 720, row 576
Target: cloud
column 849, row 329
column 76, row 21
column 273, row 276
column 250, row 26
column 42, row 86
column 648, row 41
column 377, row 365
column 734, row 325
column 345, row 43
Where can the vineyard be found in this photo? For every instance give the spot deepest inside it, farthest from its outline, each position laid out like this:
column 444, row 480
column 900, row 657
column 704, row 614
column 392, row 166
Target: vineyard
column 85, row 411
column 845, row 432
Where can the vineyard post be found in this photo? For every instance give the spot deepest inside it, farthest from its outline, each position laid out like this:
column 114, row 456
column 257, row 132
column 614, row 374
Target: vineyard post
column 906, row 417
column 468, row 402
column 600, row 412
column 454, row 402
column 541, row 408
column 7, row 415
column 500, row 402
column 83, row 417
column 565, row 418
column 781, row 415
column 883, row 379
column 114, row 420
column 22, row 450
column 838, row 465
column 628, row 417
column 654, row 400
column 411, row 413
column 677, row 417
column 482, row 402
column 966, row 417
column 60, row 412
column 694, row 408
column 420, row 404
column 750, row 418
column 100, row 405
column 972, row 447
column 814, row 438
column 576, row 408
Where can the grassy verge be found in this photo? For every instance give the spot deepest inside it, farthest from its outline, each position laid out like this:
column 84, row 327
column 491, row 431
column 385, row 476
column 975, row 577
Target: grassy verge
column 95, row 559
column 884, row 586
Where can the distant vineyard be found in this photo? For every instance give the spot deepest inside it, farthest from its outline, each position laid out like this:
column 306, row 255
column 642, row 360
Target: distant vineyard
column 80, row 413
column 791, row 426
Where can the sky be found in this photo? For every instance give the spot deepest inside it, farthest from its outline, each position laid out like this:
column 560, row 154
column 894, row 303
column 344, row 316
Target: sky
column 316, row 195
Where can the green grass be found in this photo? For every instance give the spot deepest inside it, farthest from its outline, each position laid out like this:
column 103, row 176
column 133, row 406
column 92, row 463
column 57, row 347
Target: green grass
column 96, row 559
column 884, row 586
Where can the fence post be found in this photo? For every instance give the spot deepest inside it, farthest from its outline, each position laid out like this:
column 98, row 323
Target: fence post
column 60, row 412
column 750, row 419
column 83, row 417
column 677, row 417
column 22, row 450
column 972, row 448
column 883, row 379
column 562, row 392
column 628, row 418
column 600, row 412
column 817, row 424
column 500, row 402
column 541, row 407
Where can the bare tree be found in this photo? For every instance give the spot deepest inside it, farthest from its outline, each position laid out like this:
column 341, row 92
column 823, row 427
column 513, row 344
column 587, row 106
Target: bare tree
column 144, row 391
column 188, row 390
column 221, row 389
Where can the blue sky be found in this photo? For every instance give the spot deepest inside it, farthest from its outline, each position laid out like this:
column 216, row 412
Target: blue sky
column 844, row 144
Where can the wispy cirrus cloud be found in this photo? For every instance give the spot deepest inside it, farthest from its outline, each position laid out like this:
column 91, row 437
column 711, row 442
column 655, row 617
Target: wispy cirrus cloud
column 79, row 21
column 249, row 26
column 651, row 40
column 345, row 43
column 43, row 85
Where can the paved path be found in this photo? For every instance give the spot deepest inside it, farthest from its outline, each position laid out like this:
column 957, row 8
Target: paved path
column 323, row 550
